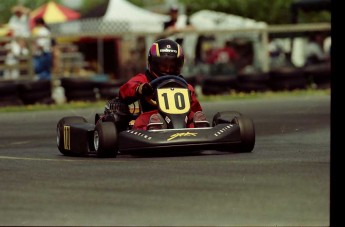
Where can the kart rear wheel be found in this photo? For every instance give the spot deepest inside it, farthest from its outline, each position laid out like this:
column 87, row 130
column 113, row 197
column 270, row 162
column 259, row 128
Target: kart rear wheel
column 60, row 132
column 105, row 140
column 247, row 131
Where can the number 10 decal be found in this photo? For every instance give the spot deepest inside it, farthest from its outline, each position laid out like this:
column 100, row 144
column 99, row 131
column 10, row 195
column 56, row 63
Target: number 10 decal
column 173, row 100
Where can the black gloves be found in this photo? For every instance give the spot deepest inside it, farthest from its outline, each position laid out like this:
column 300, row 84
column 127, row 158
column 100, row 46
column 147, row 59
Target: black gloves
column 145, row 90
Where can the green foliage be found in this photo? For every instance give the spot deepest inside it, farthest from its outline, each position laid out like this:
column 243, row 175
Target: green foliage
column 6, row 5
column 202, row 98
column 90, row 4
column 272, row 12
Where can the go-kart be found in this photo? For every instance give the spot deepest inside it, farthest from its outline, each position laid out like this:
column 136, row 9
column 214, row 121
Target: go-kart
column 112, row 131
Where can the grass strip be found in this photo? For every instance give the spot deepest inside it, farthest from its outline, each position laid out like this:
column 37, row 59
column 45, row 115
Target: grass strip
column 209, row 98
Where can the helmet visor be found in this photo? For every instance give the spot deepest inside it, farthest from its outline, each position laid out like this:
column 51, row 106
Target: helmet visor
column 168, row 68
column 167, row 65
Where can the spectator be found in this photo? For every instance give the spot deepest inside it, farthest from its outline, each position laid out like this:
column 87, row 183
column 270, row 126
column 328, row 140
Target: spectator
column 277, row 54
column 224, row 59
column 15, row 50
column 19, row 21
column 225, row 54
column 175, row 24
column 314, row 53
column 171, row 24
column 18, row 26
column 43, row 49
column 165, row 58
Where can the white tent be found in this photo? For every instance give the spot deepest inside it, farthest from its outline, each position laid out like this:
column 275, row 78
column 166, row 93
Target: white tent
column 124, row 17
column 121, row 16
column 208, row 20
column 213, row 20
column 139, row 19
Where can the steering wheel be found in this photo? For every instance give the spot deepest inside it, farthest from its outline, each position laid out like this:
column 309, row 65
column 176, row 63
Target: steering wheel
column 154, row 83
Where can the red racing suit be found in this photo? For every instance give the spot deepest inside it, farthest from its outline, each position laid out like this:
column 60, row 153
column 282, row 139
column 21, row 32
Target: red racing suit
column 129, row 95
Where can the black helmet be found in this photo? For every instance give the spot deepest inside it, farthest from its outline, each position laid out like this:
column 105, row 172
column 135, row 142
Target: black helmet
column 165, row 58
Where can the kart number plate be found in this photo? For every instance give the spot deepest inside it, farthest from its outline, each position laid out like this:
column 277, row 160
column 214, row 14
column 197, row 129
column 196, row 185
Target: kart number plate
column 173, row 100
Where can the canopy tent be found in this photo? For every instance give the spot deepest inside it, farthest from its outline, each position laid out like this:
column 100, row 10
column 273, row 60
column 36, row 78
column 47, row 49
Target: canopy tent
column 139, row 19
column 213, row 20
column 208, row 20
column 52, row 12
column 120, row 16
column 123, row 17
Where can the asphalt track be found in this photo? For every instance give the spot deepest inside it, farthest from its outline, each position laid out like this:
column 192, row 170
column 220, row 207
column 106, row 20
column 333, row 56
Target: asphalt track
column 285, row 181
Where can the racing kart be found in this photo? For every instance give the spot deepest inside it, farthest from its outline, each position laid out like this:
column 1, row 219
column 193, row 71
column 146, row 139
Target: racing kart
column 112, row 131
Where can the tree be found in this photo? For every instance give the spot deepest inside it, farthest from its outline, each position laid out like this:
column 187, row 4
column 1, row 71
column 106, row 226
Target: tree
column 5, row 6
column 272, row 12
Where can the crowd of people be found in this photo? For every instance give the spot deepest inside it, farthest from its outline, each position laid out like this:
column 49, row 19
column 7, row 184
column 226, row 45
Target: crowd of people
column 318, row 50
column 222, row 58
column 228, row 57
column 219, row 56
column 18, row 47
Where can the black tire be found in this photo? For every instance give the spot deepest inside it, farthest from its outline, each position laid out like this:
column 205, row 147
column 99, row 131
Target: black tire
column 106, row 140
column 218, row 84
column 79, row 89
column 8, row 88
column 247, row 131
column 320, row 75
column 77, row 84
column 80, row 95
column 253, row 82
column 287, row 79
column 60, row 132
column 109, row 90
column 31, row 92
column 36, row 97
column 9, row 95
column 10, row 101
column 109, row 93
column 32, row 86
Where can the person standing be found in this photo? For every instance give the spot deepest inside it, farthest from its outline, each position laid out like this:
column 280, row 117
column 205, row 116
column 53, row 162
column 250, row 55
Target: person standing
column 43, row 49
column 16, row 49
column 18, row 25
column 176, row 24
column 224, row 60
column 171, row 23
column 19, row 21
column 315, row 53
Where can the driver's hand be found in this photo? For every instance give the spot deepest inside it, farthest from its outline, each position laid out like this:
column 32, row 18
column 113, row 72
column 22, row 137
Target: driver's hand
column 145, row 90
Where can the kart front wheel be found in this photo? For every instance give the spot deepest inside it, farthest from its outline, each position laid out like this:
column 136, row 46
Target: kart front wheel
column 247, row 132
column 62, row 142
column 105, row 140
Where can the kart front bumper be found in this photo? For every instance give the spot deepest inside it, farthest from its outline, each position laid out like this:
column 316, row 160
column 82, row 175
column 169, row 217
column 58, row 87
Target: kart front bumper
column 220, row 137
